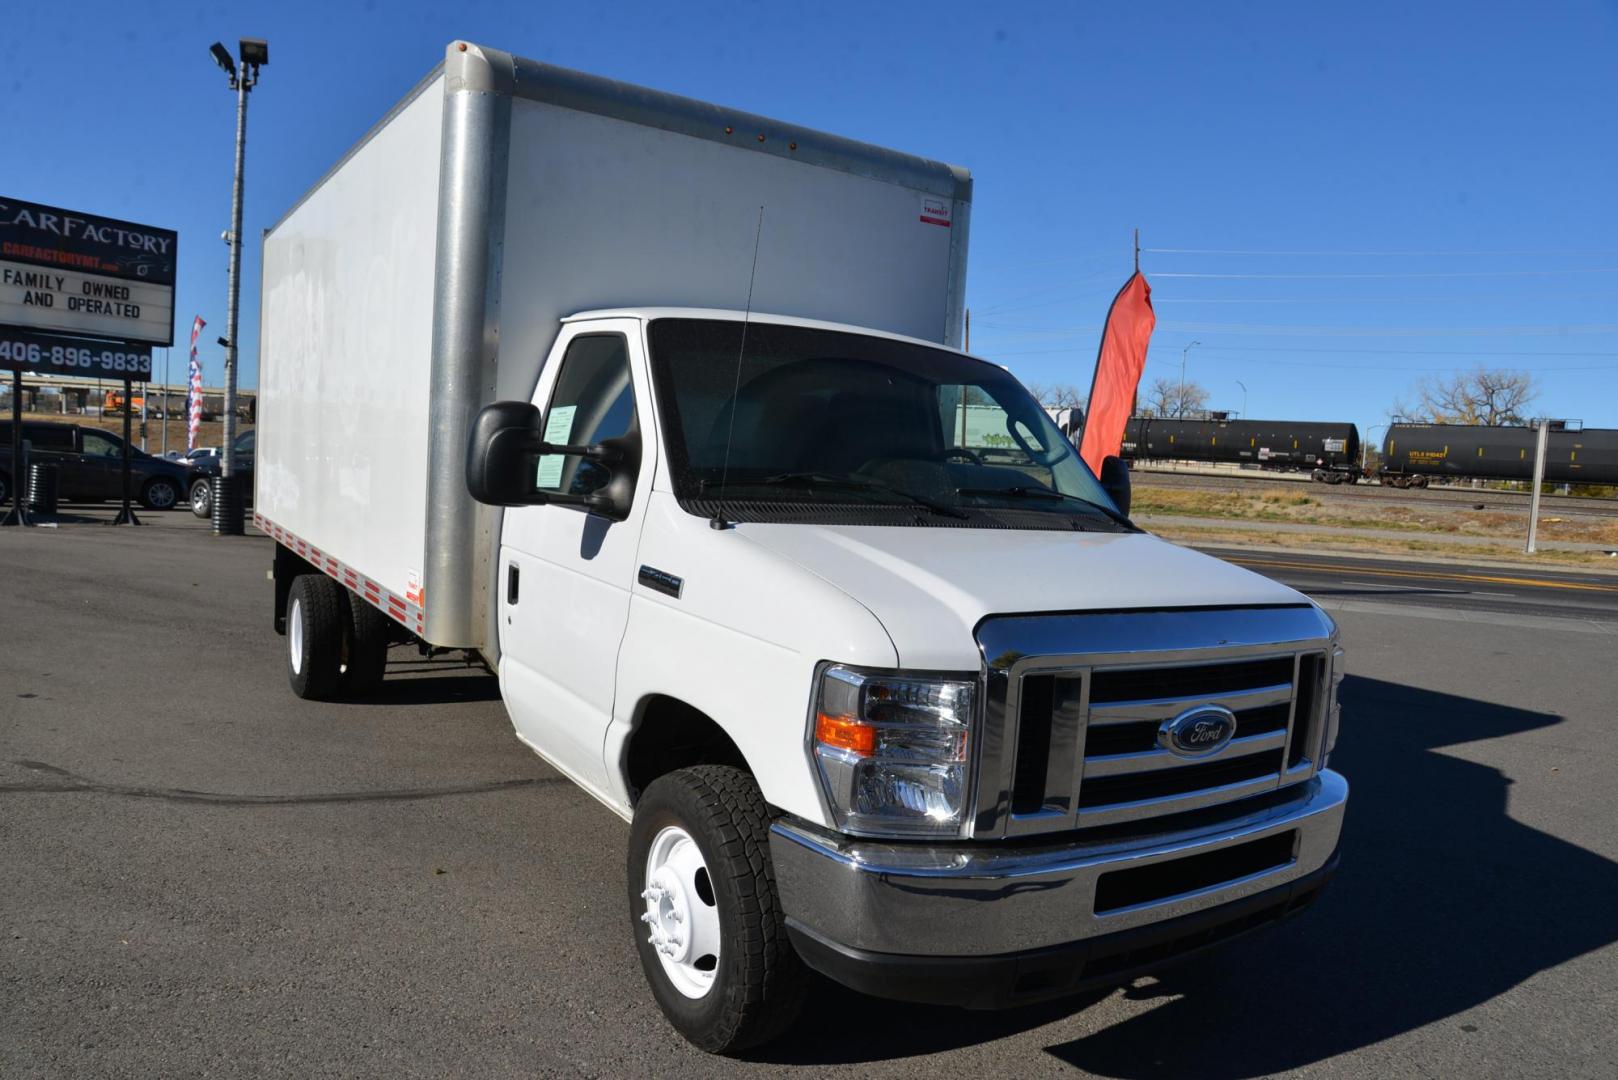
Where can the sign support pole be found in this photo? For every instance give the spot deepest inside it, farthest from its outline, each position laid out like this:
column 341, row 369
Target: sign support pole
column 18, row 513
column 165, row 403
column 126, row 516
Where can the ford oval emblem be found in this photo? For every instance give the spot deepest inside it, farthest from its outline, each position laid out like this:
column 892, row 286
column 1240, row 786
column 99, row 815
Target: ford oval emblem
column 1198, row 732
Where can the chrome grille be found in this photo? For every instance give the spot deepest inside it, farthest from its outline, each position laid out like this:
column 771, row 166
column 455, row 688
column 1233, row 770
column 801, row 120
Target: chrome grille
column 1070, row 736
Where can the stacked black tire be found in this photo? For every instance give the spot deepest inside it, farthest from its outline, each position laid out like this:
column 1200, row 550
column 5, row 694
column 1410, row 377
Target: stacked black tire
column 226, row 497
column 43, row 486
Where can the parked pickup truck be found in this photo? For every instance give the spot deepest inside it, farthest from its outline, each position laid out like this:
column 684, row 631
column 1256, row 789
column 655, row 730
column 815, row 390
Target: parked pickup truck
column 657, row 408
column 90, row 465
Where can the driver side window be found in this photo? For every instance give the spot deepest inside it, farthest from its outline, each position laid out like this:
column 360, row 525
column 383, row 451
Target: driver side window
column 593, row 400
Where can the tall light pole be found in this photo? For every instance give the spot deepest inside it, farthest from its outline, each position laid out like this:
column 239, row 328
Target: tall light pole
column 1180, row 409
column 227, row 496
column 1244, row 397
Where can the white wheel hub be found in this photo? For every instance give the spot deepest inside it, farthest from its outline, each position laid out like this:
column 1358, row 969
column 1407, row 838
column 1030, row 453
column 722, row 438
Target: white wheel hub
column 295, row 636
column 682, row 913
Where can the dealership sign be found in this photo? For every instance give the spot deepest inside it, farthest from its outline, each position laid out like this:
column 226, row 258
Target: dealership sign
column 63, row 272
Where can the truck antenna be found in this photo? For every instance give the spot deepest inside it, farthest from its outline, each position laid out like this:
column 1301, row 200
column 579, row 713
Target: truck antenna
column 718, row 520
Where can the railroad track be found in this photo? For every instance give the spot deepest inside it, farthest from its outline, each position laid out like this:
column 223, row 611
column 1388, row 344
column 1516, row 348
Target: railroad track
column 1451, row 497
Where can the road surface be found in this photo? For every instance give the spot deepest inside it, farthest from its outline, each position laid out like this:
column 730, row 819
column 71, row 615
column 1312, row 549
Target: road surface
column 205, row 876
column 1446, row 587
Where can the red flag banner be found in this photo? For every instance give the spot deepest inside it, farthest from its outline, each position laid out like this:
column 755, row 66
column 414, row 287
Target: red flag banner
column 1118, row 368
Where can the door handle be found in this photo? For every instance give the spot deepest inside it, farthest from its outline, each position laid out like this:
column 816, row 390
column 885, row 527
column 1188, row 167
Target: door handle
column 512, row 577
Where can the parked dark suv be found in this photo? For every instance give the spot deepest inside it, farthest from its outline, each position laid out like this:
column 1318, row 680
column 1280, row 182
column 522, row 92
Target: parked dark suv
column 204, row 469
column 90, row 465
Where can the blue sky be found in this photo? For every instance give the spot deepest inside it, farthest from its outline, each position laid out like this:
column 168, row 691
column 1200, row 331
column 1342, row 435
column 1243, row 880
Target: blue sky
column 1471, row 146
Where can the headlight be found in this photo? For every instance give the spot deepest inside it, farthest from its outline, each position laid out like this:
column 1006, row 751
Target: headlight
column 892, row 751
column 1334, row 709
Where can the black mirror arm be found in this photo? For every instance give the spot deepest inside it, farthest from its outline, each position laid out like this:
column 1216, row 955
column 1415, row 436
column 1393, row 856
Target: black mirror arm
column 604, row 453
column 597, row 503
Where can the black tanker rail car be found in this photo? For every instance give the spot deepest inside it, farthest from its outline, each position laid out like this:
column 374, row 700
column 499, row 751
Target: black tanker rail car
column 1413, row 454
column 1330, row 452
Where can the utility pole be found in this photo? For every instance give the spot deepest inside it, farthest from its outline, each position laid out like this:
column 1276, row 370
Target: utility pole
column 227, row 496
column 1179, row 406
column 165, row 402
column 1539, row 481
column 968, row 331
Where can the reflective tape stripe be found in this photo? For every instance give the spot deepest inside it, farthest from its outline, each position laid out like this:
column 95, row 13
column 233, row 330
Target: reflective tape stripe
column 412, row 617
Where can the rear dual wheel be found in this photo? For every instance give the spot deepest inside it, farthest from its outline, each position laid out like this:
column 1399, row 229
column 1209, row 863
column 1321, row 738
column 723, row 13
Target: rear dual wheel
column 160, row 494
column 336, row 644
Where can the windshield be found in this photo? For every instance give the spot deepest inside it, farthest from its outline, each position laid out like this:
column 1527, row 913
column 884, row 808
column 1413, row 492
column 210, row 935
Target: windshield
column 884, row 431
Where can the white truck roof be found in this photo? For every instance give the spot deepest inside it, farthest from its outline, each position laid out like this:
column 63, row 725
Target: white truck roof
column 732, row 315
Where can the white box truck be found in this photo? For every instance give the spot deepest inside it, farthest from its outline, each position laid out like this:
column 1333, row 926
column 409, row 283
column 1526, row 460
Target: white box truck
column 654, row 406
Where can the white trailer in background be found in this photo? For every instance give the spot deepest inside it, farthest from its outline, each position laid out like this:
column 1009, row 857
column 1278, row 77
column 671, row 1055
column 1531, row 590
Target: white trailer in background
column 656, row 406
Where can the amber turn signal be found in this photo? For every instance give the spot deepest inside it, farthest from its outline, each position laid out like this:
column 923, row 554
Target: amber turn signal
column 843, row 733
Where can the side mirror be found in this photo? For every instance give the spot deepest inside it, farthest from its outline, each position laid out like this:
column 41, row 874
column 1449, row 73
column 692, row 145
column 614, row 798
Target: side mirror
column 1115, row 482
column 502, row 461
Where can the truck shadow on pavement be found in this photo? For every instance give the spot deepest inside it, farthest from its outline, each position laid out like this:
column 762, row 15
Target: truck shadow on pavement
column 1443, row 902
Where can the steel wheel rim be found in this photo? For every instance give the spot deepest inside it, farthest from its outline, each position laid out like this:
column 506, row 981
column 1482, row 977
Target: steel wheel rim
column 295, row 636
column 199, row 498
column 682, row 912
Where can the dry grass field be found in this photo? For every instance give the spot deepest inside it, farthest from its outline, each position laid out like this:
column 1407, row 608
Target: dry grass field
column 211, row 432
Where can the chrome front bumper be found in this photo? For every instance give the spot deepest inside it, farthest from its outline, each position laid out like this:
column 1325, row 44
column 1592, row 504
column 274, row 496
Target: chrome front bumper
column 866, row 900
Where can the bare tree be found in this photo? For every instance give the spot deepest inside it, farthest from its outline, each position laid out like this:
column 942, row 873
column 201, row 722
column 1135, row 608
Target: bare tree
column 1168, row 398
column 1057, row 395
column 1490, row 396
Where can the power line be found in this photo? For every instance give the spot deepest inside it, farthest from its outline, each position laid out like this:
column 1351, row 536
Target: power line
column 1419, row 274
column 1506, row 353
column 1453, row 297
column 1383, row 254
column 1273, row 330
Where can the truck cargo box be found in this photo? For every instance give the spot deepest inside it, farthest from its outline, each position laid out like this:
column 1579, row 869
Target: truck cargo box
column 425, row 276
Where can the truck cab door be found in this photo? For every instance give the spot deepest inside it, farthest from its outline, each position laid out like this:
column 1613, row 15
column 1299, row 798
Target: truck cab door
column 566, row 572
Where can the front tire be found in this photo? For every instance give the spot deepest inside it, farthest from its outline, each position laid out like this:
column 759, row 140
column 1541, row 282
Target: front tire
column 316, row 618
column 201, row 499
column 704, row 910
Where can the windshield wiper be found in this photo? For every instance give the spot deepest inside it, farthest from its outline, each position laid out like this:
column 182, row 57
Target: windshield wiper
column 1021, row 492
column 858, row 483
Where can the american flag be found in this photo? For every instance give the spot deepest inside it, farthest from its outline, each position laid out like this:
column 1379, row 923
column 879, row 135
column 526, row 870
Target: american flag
column 194, row 395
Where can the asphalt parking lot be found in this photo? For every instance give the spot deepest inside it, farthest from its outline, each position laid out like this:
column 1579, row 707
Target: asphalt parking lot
column 207, row 876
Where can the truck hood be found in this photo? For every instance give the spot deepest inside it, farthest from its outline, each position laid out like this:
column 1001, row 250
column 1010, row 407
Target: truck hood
column 931, row 587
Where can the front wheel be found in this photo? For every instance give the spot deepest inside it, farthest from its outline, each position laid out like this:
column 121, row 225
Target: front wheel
column 704, row 911
column 201, row 499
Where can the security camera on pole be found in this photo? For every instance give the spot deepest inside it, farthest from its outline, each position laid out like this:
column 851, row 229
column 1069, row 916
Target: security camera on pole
column 227, row 501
